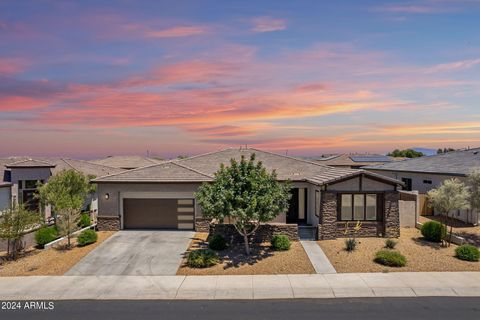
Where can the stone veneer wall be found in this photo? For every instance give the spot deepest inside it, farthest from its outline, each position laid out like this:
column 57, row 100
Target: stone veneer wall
column 391, row 214
column 202, row 225
column 108, row 223
column 264, row 233
column 330, row 228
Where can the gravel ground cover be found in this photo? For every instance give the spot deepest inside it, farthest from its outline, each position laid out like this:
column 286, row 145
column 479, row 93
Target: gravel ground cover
column 263, row 260
column 467, row 231
column 421, row 255
column 52, row 262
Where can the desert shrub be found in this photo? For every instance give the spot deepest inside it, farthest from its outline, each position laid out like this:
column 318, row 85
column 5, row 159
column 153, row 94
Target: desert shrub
column 86, row 237
column 390, row 244
column 280, row 243
column 84, row 221
column 217, row 242
column 45, row 235
column 390, row 258
column 467, row 252
column 202, row 258
column 434, row 231
column 350, row 244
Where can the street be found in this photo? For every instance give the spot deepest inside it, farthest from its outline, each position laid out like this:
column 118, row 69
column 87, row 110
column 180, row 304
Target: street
column 437, row 308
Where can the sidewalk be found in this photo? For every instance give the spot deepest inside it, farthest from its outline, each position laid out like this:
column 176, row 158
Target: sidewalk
column 242, row 287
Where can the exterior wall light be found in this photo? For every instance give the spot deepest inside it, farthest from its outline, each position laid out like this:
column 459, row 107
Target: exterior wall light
column 107, row 196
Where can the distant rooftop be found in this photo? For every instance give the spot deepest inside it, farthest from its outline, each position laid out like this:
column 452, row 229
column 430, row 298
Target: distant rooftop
column 127, row 162
column 455, row 163
column 355, row 160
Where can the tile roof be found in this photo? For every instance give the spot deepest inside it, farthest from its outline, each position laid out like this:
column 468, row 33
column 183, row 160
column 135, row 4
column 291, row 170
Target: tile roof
column 203, row 167
column 30, row 163
column 356, row 160
column 454, row 163
column 163, row 172
column 126, row 162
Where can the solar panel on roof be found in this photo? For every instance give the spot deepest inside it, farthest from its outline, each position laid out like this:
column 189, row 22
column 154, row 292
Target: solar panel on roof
column 370, row 159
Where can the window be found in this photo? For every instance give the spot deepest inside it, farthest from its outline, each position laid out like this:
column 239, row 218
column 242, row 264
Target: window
column 30, row 184
column 358, row 206
column 408, row 184
column 347, row 207
column 427, row 181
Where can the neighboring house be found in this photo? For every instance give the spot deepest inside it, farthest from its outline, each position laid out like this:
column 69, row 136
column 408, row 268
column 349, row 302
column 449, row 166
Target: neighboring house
column 428, row 172
column 355, row 161
column 126, row 162
column 24, row 174
column 324, row 198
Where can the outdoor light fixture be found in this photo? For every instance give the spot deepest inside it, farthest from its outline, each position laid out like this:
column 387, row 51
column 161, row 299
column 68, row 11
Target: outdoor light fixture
column 107, row 196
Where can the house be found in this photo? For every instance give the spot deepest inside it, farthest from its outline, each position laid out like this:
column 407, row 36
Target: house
column 356, row 160
column 126, row 162
column 428, row 172
column 324, row 198
column 22, row 175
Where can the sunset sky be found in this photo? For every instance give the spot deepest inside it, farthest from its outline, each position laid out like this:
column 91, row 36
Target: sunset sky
column 87, row 79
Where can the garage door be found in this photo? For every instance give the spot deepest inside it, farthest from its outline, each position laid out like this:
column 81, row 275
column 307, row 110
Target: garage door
column 158, row 214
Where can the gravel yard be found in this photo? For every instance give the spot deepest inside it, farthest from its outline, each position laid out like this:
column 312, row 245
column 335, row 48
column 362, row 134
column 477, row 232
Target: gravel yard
column 55, row 261
column 467, row 231
column 421, row 255
column 262, row 260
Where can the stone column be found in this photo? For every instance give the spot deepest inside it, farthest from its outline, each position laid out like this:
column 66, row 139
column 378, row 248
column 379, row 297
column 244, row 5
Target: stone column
column 327, row 229
column 107, row 223
column 391, row 218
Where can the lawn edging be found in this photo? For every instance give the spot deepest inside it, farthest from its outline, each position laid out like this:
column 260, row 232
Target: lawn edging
column 455, row 239
column 50, row 244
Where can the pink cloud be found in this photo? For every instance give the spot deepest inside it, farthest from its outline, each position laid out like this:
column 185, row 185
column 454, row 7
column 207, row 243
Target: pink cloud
column 268, row 24
column 10, row 66
column 176, row 32
column 453, row 66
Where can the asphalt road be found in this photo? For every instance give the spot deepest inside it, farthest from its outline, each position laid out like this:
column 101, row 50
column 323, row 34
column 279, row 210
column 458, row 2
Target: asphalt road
column 352, row 309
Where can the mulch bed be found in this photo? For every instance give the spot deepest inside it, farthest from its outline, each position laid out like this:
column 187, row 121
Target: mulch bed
column 262, row 260
column 52, row 262
column 421, row 255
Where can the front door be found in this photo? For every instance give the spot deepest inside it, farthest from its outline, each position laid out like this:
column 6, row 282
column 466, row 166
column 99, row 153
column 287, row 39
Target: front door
column 297, row 211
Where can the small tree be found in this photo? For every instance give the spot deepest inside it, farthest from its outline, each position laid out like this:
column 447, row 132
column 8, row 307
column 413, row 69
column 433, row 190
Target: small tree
column 246, row 193
column 66, row 192
column 14, row 222
column 451, row 195
column 473, row 183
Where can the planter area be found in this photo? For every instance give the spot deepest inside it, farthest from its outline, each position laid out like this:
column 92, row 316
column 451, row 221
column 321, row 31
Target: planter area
column 56, row 261
column 263, row 260
column 421, row 255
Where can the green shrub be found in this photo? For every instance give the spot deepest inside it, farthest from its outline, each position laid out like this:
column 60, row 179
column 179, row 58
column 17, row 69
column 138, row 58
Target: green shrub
column 202, row 258
column 84, row 220
column 390, row 258
column 86, row 237
column 350, row 244
column 390, row 244
column 217, row 242
column 45, row 235
column 434, row 231
column 467, row 252
column 280, row 243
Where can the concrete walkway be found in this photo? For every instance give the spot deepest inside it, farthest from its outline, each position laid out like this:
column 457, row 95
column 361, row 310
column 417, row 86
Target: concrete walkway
column 401, row 284
column 317, row 257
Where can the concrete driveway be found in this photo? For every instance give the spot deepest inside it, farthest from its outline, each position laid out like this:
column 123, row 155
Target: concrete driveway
column 136, row 252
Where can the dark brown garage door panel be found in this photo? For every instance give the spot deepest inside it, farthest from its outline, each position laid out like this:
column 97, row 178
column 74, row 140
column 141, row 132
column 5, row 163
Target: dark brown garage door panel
column 158, row 214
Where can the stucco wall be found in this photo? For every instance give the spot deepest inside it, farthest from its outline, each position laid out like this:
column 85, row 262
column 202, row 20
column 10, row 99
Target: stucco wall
column 28, row 174
column 366, row 185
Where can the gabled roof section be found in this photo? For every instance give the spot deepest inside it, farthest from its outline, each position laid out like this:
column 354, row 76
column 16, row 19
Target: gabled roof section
column 85, row 167
column 459, row 163
column 164, row 172
column 30, row 163
column 287, row 168
column 337, row 174
column 126, row 162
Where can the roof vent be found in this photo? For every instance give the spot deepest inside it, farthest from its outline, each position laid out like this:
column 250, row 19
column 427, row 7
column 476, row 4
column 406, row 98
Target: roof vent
column 475, row 152
column 296, row 173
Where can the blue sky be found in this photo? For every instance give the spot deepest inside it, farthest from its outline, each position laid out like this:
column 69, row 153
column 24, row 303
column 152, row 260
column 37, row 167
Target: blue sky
column 90, row 78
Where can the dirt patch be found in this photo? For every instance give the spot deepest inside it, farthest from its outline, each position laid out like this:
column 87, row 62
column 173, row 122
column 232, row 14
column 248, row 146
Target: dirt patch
column 421, row 255
column 465, row 230
column 52, row 262
column 263, row 260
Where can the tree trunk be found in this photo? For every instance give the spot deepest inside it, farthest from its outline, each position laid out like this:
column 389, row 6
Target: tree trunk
column 245, row 239
column 451, row 231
